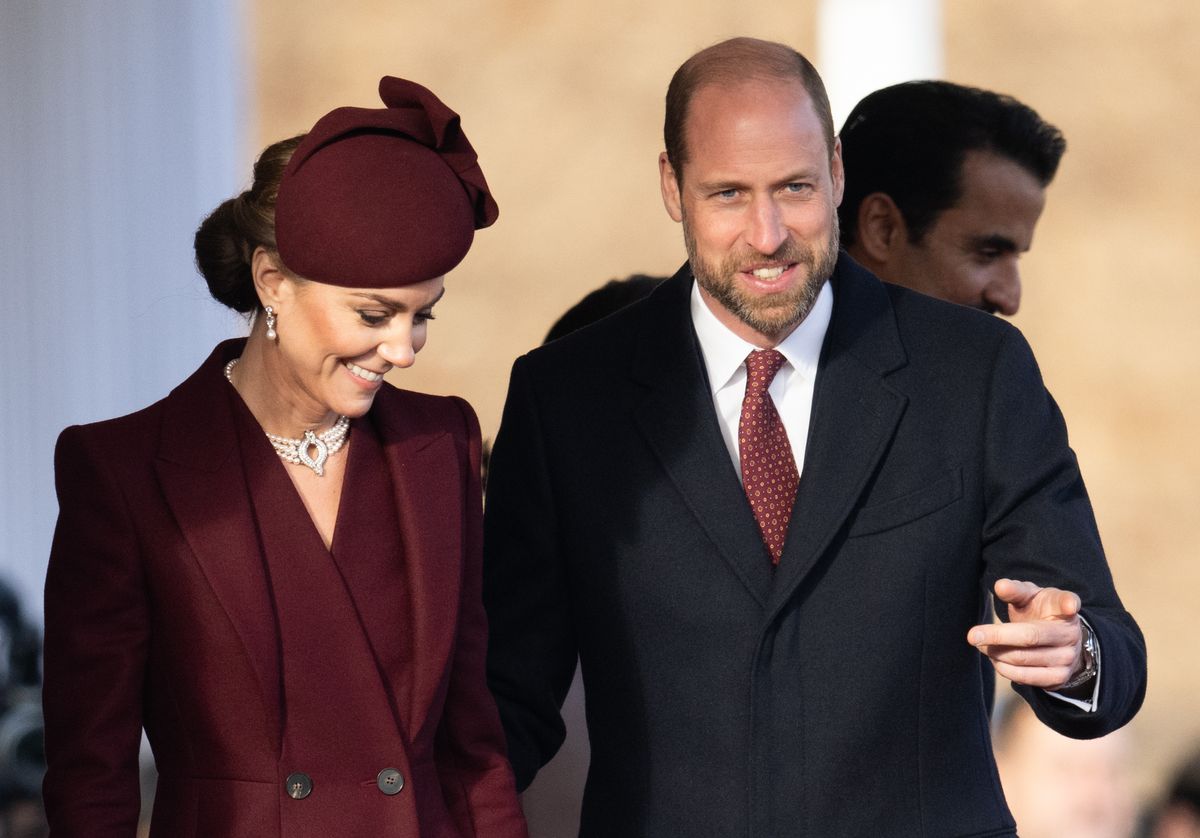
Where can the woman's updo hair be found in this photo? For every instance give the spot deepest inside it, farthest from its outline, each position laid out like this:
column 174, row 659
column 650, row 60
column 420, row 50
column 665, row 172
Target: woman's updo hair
column 227, row 239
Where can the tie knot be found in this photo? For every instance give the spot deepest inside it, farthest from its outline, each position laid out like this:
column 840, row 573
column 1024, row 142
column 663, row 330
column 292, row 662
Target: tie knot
column 761, row 367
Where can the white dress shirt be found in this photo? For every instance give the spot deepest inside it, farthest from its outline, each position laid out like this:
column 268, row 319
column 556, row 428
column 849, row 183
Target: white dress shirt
column 792, row 390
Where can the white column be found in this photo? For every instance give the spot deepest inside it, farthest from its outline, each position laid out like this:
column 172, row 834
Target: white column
column 122, row 126
column 863, row 45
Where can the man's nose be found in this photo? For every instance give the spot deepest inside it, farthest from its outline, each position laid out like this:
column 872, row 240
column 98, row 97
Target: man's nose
column 766, row 230
column 1003, row 294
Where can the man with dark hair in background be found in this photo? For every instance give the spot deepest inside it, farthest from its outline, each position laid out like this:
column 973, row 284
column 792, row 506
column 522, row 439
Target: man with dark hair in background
column 765, row 506
column 1179, row 814
column 944, row 186
column 608, row 299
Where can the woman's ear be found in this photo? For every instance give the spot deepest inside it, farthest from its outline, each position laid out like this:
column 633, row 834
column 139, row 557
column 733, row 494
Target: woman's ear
column 273, row 286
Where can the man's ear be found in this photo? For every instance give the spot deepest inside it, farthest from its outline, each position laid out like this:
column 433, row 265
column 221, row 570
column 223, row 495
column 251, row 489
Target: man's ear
column 272, row 285
column 837, row 173
column 669, row 184
column 881, row 228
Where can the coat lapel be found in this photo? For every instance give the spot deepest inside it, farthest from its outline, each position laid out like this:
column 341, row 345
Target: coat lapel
column 204, row 485
column 679, row 421
column 428, row 483
column 855, row 414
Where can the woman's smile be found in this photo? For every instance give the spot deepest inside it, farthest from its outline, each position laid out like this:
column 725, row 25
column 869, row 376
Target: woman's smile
column 363, row 376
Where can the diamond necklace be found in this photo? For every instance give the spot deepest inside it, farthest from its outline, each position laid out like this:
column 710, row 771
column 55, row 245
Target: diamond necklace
column 295, row 451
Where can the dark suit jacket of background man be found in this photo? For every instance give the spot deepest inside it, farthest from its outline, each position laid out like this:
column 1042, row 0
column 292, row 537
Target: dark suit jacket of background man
column 837, row 694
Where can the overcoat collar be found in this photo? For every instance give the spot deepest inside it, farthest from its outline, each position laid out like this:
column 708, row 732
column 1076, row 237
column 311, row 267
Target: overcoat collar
column 679, row 421
column 204, row 484
column 428, row 481
column 855, row 413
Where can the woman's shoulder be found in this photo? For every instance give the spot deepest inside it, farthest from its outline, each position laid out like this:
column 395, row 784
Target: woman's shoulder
column 140, row 430
column 131, row 430
column 121, row 450
column 425, row 411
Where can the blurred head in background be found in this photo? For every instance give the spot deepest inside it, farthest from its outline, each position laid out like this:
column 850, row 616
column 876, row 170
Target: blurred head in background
column 1058, row 787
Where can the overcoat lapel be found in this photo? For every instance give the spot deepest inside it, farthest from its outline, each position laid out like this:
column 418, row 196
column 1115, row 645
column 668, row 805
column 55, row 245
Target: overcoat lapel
column 204, row 485
column 679, row 421
column 428, row 482
column 855, row 414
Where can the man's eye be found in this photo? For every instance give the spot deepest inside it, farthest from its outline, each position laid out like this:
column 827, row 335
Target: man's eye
column 727, row 194
column 797, row 188
column 372, row 318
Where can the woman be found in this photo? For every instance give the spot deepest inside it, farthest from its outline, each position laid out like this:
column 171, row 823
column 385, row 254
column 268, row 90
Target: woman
column 276, row 569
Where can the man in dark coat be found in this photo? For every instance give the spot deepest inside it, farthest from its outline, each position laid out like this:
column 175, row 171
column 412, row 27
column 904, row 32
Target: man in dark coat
column 763, row 507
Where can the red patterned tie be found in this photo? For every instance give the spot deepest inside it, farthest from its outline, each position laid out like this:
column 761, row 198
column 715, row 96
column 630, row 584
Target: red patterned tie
column 768, row 469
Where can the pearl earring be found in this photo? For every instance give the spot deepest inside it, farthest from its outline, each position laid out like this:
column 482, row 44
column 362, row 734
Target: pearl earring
column 271, row 333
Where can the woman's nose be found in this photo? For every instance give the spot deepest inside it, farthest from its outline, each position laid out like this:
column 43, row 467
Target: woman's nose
column 398, row 352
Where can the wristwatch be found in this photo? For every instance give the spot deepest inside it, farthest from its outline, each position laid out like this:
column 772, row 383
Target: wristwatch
column 1090, row 657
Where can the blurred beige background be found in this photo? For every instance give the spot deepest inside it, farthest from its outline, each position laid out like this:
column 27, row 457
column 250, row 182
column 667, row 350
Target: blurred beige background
column 563, row 101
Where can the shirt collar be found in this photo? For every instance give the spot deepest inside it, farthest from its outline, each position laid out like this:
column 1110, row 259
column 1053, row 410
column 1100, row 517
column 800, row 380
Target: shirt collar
column 725, row 353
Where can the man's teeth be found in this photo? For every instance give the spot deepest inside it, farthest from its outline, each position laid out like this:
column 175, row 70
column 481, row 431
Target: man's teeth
column 362, row 373
column 767, row 273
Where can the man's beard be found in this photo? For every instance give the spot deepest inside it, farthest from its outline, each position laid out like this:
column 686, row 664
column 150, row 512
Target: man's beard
column 772, row 315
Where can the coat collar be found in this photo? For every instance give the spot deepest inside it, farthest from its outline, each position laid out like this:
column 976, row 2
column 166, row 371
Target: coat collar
column 678, row 420
column 428, row 480
column 204, row 484
column 855, row 413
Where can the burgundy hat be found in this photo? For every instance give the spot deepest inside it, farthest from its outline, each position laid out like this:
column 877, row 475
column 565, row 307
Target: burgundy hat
column 382, row 197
